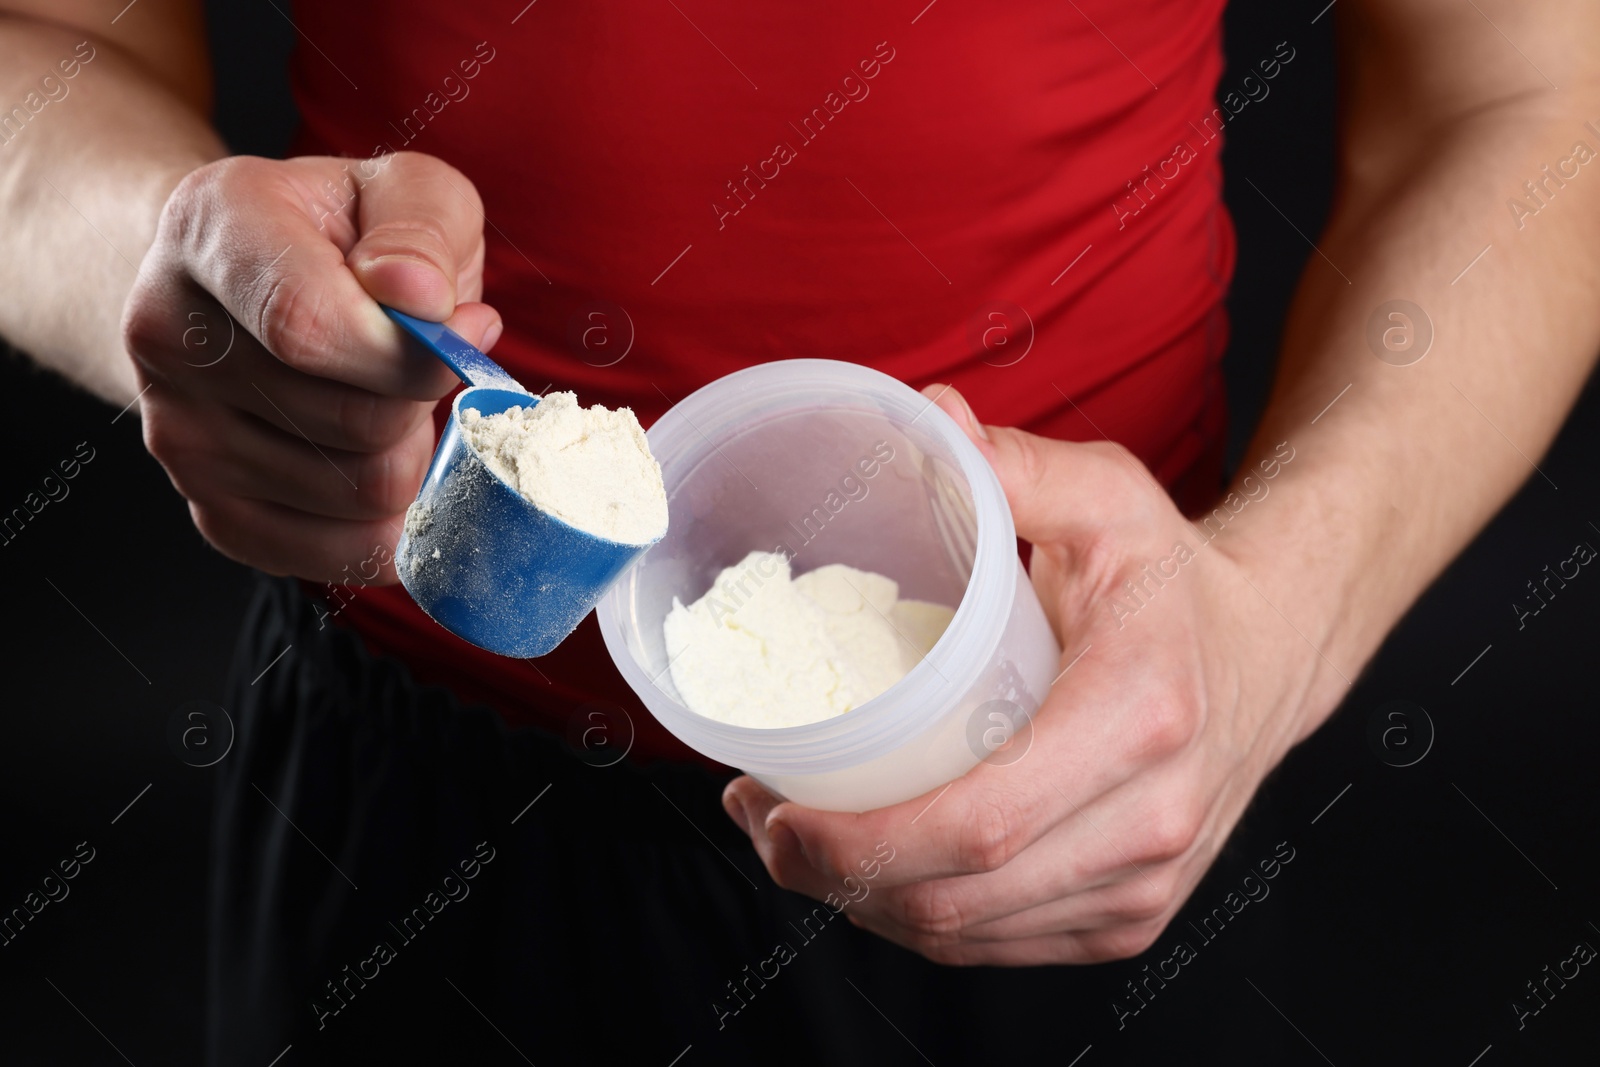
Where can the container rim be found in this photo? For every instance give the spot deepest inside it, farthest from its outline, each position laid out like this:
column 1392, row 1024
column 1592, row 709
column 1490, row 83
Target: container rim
column 929, row 690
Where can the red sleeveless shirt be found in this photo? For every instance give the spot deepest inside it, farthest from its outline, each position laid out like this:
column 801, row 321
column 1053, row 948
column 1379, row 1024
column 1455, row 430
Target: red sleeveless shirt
column 1021, row 199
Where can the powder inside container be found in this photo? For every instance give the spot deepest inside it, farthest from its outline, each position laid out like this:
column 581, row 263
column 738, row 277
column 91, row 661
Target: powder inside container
column 759, row 649
column 589, row 467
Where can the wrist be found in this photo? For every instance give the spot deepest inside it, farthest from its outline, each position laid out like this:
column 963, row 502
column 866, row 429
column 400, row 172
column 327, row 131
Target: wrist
column 1302, row 558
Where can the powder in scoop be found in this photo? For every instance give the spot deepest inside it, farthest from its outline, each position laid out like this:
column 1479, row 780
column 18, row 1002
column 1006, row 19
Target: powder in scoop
column 760, row 649
column 589, row 467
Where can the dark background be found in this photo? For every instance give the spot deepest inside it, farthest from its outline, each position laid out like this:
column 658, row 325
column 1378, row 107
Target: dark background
column 1401, row 932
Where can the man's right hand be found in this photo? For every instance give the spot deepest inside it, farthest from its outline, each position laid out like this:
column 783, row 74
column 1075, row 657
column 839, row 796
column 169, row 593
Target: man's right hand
column 285, row 406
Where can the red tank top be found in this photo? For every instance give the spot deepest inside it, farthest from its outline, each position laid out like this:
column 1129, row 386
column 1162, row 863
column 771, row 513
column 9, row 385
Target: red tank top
column 1022, row 199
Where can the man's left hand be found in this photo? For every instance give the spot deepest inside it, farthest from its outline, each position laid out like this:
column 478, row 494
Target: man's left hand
column 1179, row 699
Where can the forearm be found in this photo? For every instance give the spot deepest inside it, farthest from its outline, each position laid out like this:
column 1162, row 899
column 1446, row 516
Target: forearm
column 1394, row 479
column 82, row 184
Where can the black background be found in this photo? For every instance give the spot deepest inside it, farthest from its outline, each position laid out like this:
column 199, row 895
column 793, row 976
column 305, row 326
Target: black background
column 1401, row 932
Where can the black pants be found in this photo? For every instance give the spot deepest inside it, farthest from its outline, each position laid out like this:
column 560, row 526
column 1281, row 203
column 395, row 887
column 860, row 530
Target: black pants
column 381, row 891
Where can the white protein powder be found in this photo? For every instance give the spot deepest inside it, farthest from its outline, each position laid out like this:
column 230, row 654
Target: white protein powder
column 589, row 467
column 760, row 649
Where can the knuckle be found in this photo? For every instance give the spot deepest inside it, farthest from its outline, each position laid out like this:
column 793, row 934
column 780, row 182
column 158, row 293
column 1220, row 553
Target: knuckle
column 370, row 422
column 152, row 324
column 225, row 532
column 387, row 481
column 144, row 325
column 787, row 870
column 1168, row 726
column 1169, row 833
column 1032, row 470
column 1145, row 900
column 228, row 170
column 163, row 436
column 422, row 234
column 188, row 195
column 930, row 910
column 781, row 874
column 1099, row 561
column 209, row 521
column 294, row 324
column 990, row 838
column 825, row 858
column 1119, row 454
column 201, row 205
column 1127, row 479
column 182, row 455
column 213, row 526
column 1126, row 942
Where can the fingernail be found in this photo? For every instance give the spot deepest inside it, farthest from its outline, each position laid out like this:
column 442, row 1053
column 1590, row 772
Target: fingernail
column 972, row 420
column 786, row 839
column 400, row 257
column 735, row 809
column 491, row 335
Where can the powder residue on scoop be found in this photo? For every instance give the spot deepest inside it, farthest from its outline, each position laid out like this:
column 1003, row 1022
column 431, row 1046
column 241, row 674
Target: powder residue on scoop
column 589, row 467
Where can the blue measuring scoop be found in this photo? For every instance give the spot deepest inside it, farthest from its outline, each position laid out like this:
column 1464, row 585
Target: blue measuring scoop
column 480, row 558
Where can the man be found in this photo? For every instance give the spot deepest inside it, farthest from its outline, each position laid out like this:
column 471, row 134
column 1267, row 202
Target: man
column 720, row 187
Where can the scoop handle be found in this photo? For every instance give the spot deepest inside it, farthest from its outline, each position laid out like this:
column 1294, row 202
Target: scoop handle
column 456, row 352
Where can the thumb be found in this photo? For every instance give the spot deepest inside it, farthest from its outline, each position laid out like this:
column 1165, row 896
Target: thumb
column 1055, row 488
column 420, row 226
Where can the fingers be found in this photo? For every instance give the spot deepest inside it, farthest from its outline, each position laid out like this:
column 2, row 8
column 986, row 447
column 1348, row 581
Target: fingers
column 327, row 412
column 258, row 235
column 263, row 462
column 1120, row 866
column 1092, row 830
column 1085, row 846
column 1078, row 947
column 303, row 430
column 212, row 452
column 980, row 822
column 1133, row 833
column 251, row 379
column 1076, row 896
column 421, row 230
column 235, row 371
column 478, row 323
column 258, row 532
column 1098, row 727
column 283, row 541
column 1117, row 917
column 1101, row 908
column 1152, row 895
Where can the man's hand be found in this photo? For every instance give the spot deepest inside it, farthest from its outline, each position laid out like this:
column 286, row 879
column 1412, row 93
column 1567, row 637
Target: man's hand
column 282, row 402
column 1148, row 749
column 1144, row 754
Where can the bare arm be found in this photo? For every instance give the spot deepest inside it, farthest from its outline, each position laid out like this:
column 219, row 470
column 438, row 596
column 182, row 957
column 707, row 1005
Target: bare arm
column 1445, row 120
column 83, row 179
column 300, row 442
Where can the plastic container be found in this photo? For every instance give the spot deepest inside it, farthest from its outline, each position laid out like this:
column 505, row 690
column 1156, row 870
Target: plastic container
column 487, row 564
column 834, row 462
